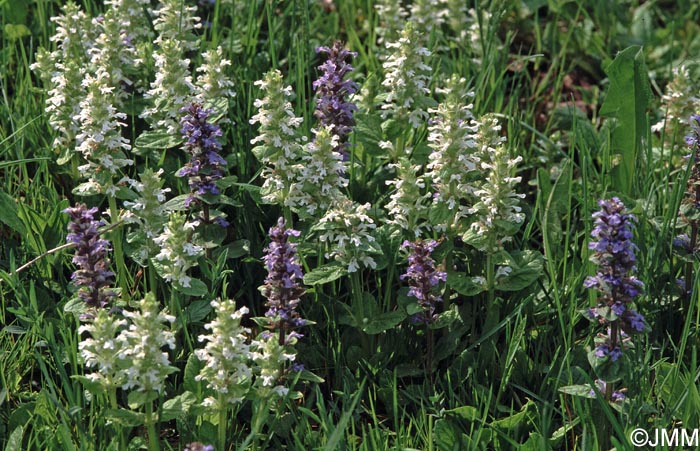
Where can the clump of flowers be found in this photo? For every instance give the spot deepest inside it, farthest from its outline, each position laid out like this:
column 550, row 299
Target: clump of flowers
column 453, row 164
column 213, row 85
column 278, row 144
column 141, row 345
column 101, row 350
column 148, row 212
column 347, row 228
column 497, row 210
column 179, row 250
column 93, row 276
column 423, row 277
column 614, row 253
column 392, row 17
column 408, row 205
column 225, row 356
column 406, row 79
column 197, row 446
column 332, row 91
column 205, row 166
column 321, row 176
column 429, row 15
column 281, row 288
column 687, row 243
column 680, row 102
column 100, row 140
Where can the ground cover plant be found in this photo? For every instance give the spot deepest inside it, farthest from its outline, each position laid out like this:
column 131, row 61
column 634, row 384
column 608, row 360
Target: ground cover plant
column 348, row 225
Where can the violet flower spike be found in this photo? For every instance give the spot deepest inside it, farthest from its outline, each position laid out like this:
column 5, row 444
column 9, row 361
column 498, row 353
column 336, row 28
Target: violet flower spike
column 332, row 108
column 92, row 276
column 423, row 277
column 281, row 287
column 202, row 143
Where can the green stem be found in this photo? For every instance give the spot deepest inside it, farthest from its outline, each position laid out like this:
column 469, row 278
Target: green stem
column 118, row 253
column 223, row 419
column 153, row 442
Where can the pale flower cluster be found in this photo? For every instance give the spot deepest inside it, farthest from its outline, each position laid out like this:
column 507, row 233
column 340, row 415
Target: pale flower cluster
column 212, row 82
column 453, row 164
column 278, row 144
column 179, row 249
column 270, row 358
column 141, row 346
column 406, row 79
column 679, row 102
column 102, row 349
column 348, row 229
column 226, row 356
column 408, row 205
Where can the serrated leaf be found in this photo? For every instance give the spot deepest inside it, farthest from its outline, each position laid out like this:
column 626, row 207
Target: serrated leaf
column 627, row 101
column 192, row 369
column 157, row 140
column 526, row 269
column 177, row 203
column 324, row 274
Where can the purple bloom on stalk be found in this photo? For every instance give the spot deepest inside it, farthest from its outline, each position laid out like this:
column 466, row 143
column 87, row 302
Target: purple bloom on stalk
column 196, row 446
column 423, row 277
column 617, row 396
column 332, row 108
column 205, row 166
column 281, row 287
column 616, row 259
column 92, row 276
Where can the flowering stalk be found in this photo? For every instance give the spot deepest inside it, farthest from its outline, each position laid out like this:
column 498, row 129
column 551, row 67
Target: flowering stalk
column 179, row 250
column 423, row 277
column 614, row 280
column 690, row 207
column 407, row 207
column 332, row 106
column 93, row 276
column 205, row 166
column 225, row 356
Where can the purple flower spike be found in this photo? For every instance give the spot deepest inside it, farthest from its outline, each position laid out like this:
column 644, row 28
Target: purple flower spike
column 202, row 143
column 616, row 260
column 281, row 288
column 93, row 276
column 423, row 277
column 332, row 108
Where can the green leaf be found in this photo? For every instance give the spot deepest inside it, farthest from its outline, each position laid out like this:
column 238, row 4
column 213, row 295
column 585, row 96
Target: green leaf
column 448, row 437
column 14, row 32
column 197, row 288
column 178, row 406
column 515, row 420
column 136, row 399
column 157, row 140
column 177, row 203
column 8, row 214
column 382, row 322
column 469, row 413
column 14, row 441
column 198, row 310
column 626, row 102
column 526, row 269
column 235, row 250
column 583, row 391
column 192, row 369
column 325, row 274
column 463, row 284
column 124, row 417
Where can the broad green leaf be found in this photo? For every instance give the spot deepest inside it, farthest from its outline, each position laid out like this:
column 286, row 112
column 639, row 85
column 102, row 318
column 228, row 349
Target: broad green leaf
column 125, row 417
column 14, row 442
column 136, row 399
column 583, row 391
column 626, row 102
column 192, row 369
column 469, row 413
column 324, row 274
column 515, row 420
column 448, row 437
column 8, row 214
column 198, row 310
column 197, row 288
column 178, row 406
column 157, row 140
column 382, row 322
column 464, row 284
column 526, row 269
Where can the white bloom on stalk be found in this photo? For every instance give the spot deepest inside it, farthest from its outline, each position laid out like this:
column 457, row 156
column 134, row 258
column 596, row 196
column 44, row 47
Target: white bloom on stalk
column 408, row 205
column 497, row 210
column 406, row 79
column 179, row 250
column 322, row 175
column 454, row 163
column 146, row 365
column 226, row 356
column 101, row 350
column 174, row 21
column 270, row 360
column 392, row 18
column 212, row 82
column 429, row 15
column 100, row 140
column 679, row 102
column 278, row 144
column 347, row 228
